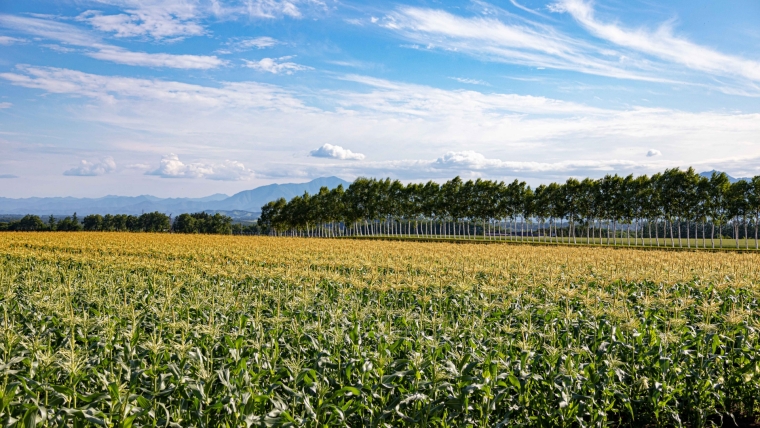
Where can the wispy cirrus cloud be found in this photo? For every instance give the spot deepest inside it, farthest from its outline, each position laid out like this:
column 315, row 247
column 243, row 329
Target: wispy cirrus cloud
column 269, row 8
column 618, row 52
column 109, row 89
column 172, row 167
column 519, row 41
column 470, row 81
column 661, row 43
column 123, row 56
column 244, row 44
column 96, row 48
column 156, row 21
column 7, row 41
column 426, row 101
column 49, row 29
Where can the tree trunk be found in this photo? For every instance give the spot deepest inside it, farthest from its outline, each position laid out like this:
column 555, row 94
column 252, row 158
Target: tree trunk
column 688, row 234
column 704, row 241
column 736, row 232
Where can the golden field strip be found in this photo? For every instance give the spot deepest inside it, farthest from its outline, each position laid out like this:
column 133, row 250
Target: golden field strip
column 383, row 263
column 128, row 329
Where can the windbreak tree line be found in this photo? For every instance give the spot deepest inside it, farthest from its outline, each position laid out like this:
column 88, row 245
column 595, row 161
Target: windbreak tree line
column 672, row 208
column 147, row 222
column 203, row 223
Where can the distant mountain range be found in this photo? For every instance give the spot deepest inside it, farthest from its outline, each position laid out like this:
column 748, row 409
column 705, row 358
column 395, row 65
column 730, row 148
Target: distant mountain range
column 708, row 174
column 245, row 204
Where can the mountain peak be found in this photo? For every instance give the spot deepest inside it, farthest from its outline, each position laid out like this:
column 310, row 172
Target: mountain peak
column 252, row 200
column 708, row 174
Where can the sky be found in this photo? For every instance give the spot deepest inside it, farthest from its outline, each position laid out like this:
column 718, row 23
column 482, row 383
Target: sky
column 186, row 98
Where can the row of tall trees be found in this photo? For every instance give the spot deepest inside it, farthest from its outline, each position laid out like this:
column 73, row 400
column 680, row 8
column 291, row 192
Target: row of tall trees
column 34, row 223
column 203, row 223
column 147, row 222
column 673, row 208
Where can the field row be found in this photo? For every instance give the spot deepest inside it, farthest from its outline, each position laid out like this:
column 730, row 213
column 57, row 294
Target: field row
column 641, row 243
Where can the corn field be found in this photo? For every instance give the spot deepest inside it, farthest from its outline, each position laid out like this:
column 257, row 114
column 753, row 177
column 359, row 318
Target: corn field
column 136, row 330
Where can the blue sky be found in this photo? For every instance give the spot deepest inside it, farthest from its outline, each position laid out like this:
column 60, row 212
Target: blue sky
column 189, row 98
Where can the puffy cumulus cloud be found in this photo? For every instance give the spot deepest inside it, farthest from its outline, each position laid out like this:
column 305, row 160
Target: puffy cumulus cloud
column 467, row 159
column 653, row 152
column 91, row 169
column 172, row 167
column 276, row 66
column 335, row 152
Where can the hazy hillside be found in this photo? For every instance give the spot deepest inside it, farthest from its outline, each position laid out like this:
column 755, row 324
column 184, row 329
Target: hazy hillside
column 243, row 203
column 730, row 179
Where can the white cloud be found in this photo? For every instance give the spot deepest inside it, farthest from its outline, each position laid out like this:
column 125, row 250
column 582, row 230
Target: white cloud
column 335, row 152
column 138, row 166
column 661, row 43
column 8, row 176
column 471, row 160
column 656, row 56
column 467, row 163
column 470, row 81
column 271, row 65
column 122, row 56
column 72, row 35
column 110, row 88
column 157, row 21
column 272, row 8
column 653, row 152
column 251, row 43
column 6, row 105
column 172, row 167
column 400, row 126
column 426, row 101
column 59, row 48
column 521, row 42
column 89, row 169
column 49, row 29
column 7, row 41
